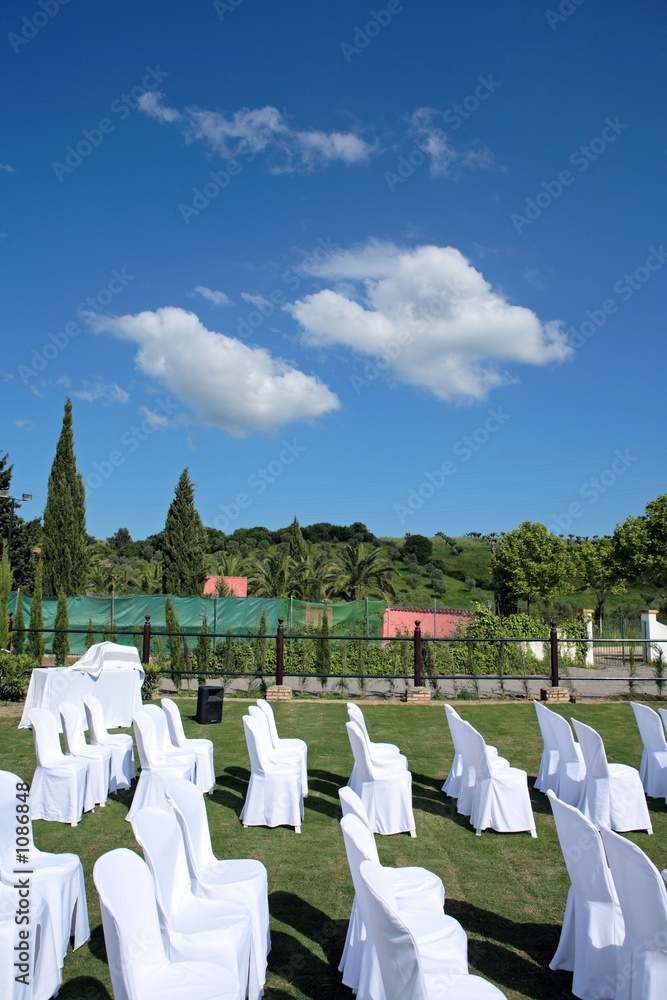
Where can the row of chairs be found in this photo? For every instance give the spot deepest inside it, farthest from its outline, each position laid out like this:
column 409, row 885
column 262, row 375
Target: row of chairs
column 278, row 772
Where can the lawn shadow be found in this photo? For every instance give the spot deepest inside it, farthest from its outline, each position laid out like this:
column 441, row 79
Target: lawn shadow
column 95, row 943
column 84, row 986
column 311, row 922
column 324, row 806
column 295, row 963
column 336, row 780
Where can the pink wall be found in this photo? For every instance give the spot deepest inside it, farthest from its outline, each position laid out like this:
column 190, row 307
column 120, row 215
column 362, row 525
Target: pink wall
column 402, row 619
column 238, row 585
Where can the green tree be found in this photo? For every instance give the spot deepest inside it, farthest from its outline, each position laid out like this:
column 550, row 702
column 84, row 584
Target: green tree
column 203, row 647
column 640, row 547
column 273, row 576
column 61, row 639
column 261, row 645
column 323, row 647
column 120, row 538
column 418, row 545
column 359, row 575
column 90, row 634
column 36, row 640
column 531, row 562
column 26, row 543
column 598, row 569
column 5, row 591
column 64, row 544
column 297, row 545
column 18, row 635
column 174, row 643
column 183, row 545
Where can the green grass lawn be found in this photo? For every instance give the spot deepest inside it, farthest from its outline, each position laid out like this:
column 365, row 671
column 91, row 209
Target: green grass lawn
column 508, row 891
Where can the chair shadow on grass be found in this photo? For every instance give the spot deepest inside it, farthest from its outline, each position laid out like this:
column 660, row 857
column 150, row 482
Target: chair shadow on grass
column 336, row 781
column 295, row 963
column 84, row 986
column 311, row 922
column 324, row 806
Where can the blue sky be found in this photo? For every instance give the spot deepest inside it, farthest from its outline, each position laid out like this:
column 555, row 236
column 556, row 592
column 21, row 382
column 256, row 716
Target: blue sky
column 400, row 263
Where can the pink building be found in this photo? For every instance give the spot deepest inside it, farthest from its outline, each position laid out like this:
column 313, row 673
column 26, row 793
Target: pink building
column 237, row 585
column 403, row 620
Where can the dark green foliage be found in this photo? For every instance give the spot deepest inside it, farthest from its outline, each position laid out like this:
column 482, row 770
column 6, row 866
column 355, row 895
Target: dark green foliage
column 138, row 638
column 64, row 544
column 5, row 591
column 36, row 640
column 120, row 538
column 26, row 537
column 173, row 641
column 18, row 635
column 261, row 645
column 90, row 634
column 419, row 546
column 298, row 549
column 151, row 680
column 323, row 647
column 15, row 671
column 61, row 639
column 183, row 571
column 203, row 648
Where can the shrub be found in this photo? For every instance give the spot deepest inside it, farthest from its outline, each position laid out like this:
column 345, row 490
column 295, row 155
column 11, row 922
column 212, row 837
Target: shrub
column 151, row 681
column 15, row 674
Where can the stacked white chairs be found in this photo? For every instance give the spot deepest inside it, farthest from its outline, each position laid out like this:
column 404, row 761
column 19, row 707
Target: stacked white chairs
column 415, row 962
column 275, row 795
column 385, row 790
column 415, row 889
column 156, row 769
column 58, row 878
column 202, row 748
column 501, row 799
column 547, row 775
column 60, row 790
column 612, row 795
column 571, row 765
column 591, row 939
column 121, row 744
column 34, row 973
column 643, row 898
column 98, row 758
column 244, row 880
column 653, row 767
column 139, row 965
column 290, row 744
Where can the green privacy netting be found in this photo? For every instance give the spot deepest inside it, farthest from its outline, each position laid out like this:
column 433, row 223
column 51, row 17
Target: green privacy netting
column 344, row 617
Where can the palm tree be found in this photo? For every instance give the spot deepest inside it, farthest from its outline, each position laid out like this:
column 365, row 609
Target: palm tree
column 359, row 574
column 273, row 576
column 314, row 576
column 150, row 579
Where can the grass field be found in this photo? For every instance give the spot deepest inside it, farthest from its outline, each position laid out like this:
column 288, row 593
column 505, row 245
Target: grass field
column 508, row 891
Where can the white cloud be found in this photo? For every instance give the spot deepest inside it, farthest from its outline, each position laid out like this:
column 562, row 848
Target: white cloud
column 445, row 160
column 217, row 298
column 257, row 130
column 26, row 425
column 108, row 393
column 431, row 315
column 256, row 300
column 228, row 384
column 7, row 167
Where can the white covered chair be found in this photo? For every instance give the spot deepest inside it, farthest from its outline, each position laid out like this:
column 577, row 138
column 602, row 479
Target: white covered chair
column 201, row 747
column 121, row 744
column 164, row 743
column 466, row 796
column 38, row 977
column 452, row 785
column 415, row 889
column 547, row 775
column 415, row 962
column 60, row 790
column 571, row 766
column 612, row 794
column 377, row 751
column 352, row 804
column 292, row 758
column 643, row 898
column 57, row 877
column 209, row 930
column 500, row 798
column 385, row 792
column 653, row 767
column 243, row 881
column 138, row 963
column 591, row 939
column 98, row 758
column 274, row 796
column 290, row 744
column 156, row 770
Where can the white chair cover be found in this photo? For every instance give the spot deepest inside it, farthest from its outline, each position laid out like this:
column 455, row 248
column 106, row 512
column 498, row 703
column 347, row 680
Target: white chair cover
column 591, row 940
column 243, row 881
column 352, row 804
column 121, row 744
column 466, row 784
column 97, row 758
column 57, row 877
column 452, row 785
column 208, row 930
column 202, row 748
column 415, row 888
column 164, row 743
column 291, row 758
column 59, row 791
column 36, row 974
column 156, row 770
column 376, row 750
column 547, row 775
column 413, row 962
column 292, row 745
column 643, row 898
column 385, row 792
column 612, row 794
column 274, row 796
column 138, row 963
column 500, row 797
column 653, row 767
column 571, row 766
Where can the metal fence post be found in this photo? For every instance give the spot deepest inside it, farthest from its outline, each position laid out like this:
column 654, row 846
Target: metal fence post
column 146, row 651
column 280, row 643
column 418, row 654
column 553, row 641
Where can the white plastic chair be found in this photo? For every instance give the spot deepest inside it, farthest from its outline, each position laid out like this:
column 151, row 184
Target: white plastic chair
column 385, row 792
column 274, row 796
column 591, row 939
column 156, row 770
column 413, row 965
column 57, row 877
column 201, row 747
column 290, row 744
column 547, row 775
column 243, row 881
column 500, row 798
column 643, row 898
column 612, row 794
column 60, row 790
column 209, row 930
column 571, row 766
column 653, row 767
column 168, row 750
column 121, row 744
column 38, row 977
column 138, row 963
column 97, row 758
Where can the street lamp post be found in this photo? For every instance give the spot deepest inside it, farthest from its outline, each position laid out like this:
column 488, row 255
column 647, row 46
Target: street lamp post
column 4, row 495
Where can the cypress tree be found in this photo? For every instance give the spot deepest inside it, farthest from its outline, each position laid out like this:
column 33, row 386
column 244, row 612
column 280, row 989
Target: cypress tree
column 90, row 634
column 64, row 547
column 173, row 641
column 5, row 592
column 18, row 636
column 183, row 571
column 36, row 640
column 261, row 645
column 106, row 631
column 61, row 639
column 297, row 545
column 203, row 647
